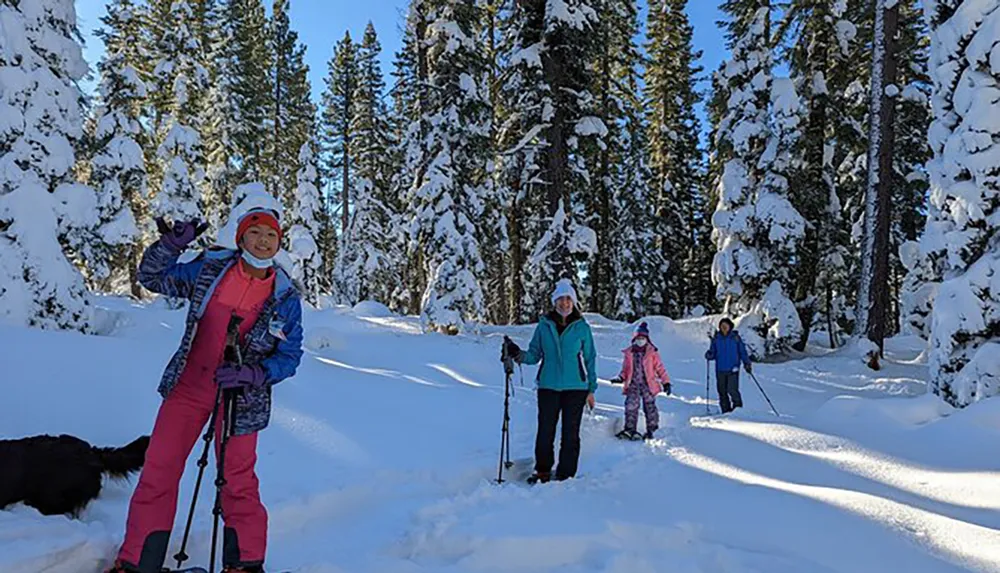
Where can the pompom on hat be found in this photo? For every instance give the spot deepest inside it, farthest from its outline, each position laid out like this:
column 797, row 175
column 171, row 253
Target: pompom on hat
column 641, row 331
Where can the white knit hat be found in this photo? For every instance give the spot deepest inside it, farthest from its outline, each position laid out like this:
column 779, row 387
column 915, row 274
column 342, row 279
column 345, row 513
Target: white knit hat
column 564, row 288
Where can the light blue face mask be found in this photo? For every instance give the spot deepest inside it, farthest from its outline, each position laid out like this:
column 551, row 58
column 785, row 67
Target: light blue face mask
column 255, row 262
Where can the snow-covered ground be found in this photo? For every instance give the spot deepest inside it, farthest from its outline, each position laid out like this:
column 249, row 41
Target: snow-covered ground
column 382, row 449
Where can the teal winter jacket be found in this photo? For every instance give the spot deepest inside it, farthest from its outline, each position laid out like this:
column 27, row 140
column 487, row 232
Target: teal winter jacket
column 568, row 359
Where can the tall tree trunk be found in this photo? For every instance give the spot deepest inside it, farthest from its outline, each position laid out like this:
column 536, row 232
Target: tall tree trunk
column 556, row 69
column 501, row 307
column 603, row 296
column 516, row 231
column 134, row 258
column 814, row 189
column 830, row 326
column 873, row 299
column 345, row 168
column 278, row 65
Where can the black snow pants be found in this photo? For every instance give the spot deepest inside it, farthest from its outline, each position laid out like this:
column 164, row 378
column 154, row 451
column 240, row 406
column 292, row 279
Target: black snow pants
column 728, row 384
column 551, row 404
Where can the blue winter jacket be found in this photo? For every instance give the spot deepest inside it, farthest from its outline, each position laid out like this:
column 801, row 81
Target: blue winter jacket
column 728, row 352
column 568, row 359
column 274, row 341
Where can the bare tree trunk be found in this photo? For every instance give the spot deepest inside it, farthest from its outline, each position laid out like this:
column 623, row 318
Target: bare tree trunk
column 830, row 324
column 345, row 190
column 134, row 257
column 516, row 232
column 873, row 298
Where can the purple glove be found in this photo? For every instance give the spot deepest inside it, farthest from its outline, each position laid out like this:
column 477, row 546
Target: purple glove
column 181, row 235
column 230, row 377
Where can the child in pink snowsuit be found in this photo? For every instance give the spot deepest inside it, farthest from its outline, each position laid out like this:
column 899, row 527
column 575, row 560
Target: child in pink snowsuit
column 643, row 376
column 218, row 284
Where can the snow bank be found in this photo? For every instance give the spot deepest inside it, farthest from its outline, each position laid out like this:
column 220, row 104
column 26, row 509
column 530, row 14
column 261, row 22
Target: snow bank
column 894, row 412
column 372, row 309
column 33, row 543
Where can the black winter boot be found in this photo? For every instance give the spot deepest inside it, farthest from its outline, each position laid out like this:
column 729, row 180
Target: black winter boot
column 539, row 477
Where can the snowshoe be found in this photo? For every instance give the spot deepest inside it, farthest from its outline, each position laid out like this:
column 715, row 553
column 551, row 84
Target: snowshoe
column 628, row 434
column 203, row 570
column 648, row 436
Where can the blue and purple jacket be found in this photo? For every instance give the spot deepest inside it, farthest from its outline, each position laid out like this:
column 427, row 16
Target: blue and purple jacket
column 274, row 341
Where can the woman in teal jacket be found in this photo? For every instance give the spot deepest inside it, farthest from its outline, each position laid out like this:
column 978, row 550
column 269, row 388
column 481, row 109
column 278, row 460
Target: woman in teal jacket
column 567, row 380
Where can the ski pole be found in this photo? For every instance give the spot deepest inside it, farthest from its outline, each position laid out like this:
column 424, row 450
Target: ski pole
column 708, row 377
column 764, row 393
column 231, row 354
column 508, row 369
column 181, row 556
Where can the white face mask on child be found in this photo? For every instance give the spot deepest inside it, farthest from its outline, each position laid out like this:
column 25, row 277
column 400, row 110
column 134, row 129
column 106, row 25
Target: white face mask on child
column 640, row 342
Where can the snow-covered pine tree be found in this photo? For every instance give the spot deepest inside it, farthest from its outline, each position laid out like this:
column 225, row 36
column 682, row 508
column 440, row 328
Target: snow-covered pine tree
column 447, row 198
column 555, row 42
column 118, row 168
column 336, row 128
column 621, row 276
column 600, row 152
column 249, row 86
column 218, row 115
column 305, row 225
column 370, row 120
column 367, row 265
column 636, row 283
column 961, row 236
column 676, row 158
column 292, row 113
column 756, row 228
column 911, row 153
column 520, row 100
column 409, row 155
column 820, row 36
column 496, row 254
column 179, row 76
column 851, row 105
column 40, row 205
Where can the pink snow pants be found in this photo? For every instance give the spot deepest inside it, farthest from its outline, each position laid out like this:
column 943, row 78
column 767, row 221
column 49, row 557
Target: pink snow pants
column 179, row 423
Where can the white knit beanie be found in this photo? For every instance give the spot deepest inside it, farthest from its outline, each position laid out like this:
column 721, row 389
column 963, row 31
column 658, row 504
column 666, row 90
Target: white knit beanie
column 564, row 288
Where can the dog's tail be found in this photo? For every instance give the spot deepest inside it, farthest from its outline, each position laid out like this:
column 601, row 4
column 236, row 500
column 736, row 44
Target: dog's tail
column 120, row 462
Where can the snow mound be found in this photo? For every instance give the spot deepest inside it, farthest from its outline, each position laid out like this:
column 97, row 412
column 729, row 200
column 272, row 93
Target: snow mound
column 54, row 544
column 973, row 420
column 906, row 412
column 694, row 330
column 320, row 337
column 371, row 309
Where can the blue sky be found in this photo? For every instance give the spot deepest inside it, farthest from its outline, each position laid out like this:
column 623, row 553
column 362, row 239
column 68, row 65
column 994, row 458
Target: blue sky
column 320, row 23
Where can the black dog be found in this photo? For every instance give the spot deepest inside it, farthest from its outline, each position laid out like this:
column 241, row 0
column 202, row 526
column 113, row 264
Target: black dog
column 61, row 475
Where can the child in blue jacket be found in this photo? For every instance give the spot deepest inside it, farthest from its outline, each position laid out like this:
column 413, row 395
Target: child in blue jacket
column 728, row 351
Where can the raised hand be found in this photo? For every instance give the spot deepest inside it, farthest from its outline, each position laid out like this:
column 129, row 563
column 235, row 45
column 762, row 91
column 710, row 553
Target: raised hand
column 181, row 234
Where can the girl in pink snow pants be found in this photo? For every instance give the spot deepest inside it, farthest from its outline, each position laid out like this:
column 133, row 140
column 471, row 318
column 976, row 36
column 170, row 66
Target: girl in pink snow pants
column 218, row 284
column 643, row 376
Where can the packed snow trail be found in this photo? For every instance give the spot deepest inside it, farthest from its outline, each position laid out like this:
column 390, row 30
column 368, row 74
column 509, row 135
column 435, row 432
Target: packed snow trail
column 382, row 450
